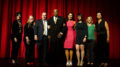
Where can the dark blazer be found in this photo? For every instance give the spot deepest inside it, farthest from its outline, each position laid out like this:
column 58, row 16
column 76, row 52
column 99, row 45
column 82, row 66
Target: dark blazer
column 39, row 29
column 16, row 30
column 29, row 31
column 56, row 28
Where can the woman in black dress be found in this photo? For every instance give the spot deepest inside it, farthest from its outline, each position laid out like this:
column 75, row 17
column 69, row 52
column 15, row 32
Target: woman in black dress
column 16, row 36
column 29, row 40
column 81, row 37
column 102, row 30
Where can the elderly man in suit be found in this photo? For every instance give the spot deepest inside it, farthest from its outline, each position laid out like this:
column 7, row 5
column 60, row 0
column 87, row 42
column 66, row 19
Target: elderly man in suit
column 56, row 34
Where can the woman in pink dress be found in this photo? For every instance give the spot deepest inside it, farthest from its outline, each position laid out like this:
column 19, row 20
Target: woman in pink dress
column 69, row 41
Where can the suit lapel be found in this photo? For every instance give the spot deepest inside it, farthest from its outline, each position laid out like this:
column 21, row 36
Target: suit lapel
column 41, row 22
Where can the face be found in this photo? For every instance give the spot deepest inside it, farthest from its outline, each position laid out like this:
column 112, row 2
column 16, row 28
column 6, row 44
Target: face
column 44, row 15
column 55, row 12
column 79, row 18
column 99, row 16
column 31, row 19
column 89, row 20
column 70, row 16
column 18, row 17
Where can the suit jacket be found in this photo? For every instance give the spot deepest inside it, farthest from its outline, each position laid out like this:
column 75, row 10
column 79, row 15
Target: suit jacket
column 60, row 26
column 39, row 29
column 16, row 30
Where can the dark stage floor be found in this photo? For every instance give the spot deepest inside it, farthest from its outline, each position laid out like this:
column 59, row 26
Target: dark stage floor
column 6, row 63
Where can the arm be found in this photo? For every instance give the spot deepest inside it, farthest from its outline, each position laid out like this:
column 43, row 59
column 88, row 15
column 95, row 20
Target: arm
column 36, row 30
column 26, row 32
column 49, row 27
column 14, row 31
column 86, row 30
column 74, row 26
column 64, row 27
column 107, row 29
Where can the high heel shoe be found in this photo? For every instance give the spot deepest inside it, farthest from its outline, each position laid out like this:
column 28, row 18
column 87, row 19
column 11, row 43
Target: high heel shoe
column 105, row 64
column 81, row 64
column 101, row 64
column 78, row 64
column 67, row 63
column 70, row 63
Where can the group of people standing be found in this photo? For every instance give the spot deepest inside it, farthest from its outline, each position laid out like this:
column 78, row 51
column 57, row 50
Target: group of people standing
column 60, row 34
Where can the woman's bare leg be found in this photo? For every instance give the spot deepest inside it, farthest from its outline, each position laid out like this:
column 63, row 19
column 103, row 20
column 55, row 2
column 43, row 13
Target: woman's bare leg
column 71, row 55
column 78, row 53
column 82, row 53
column 67, row 54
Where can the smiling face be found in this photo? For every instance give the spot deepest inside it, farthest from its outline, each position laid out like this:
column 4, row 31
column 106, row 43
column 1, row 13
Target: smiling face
column 79, row 18
column 31, row 19
column 89, row 20
column 70, row 16
column 99, row 15
column 44, row 15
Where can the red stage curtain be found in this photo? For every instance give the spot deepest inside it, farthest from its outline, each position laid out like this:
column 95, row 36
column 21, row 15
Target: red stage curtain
column 8, row 8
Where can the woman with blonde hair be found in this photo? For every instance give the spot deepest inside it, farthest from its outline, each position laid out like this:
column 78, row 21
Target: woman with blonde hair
column 90, row 40
column 29, row 40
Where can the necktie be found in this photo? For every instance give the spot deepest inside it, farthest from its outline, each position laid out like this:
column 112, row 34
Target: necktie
column 55, row 20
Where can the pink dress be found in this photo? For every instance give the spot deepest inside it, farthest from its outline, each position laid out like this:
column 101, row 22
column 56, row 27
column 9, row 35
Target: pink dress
column 69, row 40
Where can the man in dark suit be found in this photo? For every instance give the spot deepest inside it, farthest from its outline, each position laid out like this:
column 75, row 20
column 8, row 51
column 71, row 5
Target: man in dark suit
column 41, row 36
column 56, row 34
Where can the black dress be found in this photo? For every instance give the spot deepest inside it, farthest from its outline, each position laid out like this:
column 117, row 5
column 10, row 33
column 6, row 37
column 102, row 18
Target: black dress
column 29, row 48
column 81, row 31
column 102, row 45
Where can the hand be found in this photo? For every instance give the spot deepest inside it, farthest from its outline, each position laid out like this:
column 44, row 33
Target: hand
column 15, row 39
column 27, row 40
column 49, row 36
column 84, row 40
column 107, row 40
column 59, row 35
column 35, row 37
column 48, row 26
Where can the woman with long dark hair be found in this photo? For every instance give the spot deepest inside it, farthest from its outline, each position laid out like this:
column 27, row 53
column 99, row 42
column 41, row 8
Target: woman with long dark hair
column 102, row 30
column 16, row 37
column 81, row 37
column 69, row 40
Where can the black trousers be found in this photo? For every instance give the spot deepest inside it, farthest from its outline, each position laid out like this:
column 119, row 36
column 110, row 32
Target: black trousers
column 90, row 50
column 29, row 51
column 15, row 48
column 57, row 56
column 42, row 48
column 102, row 49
